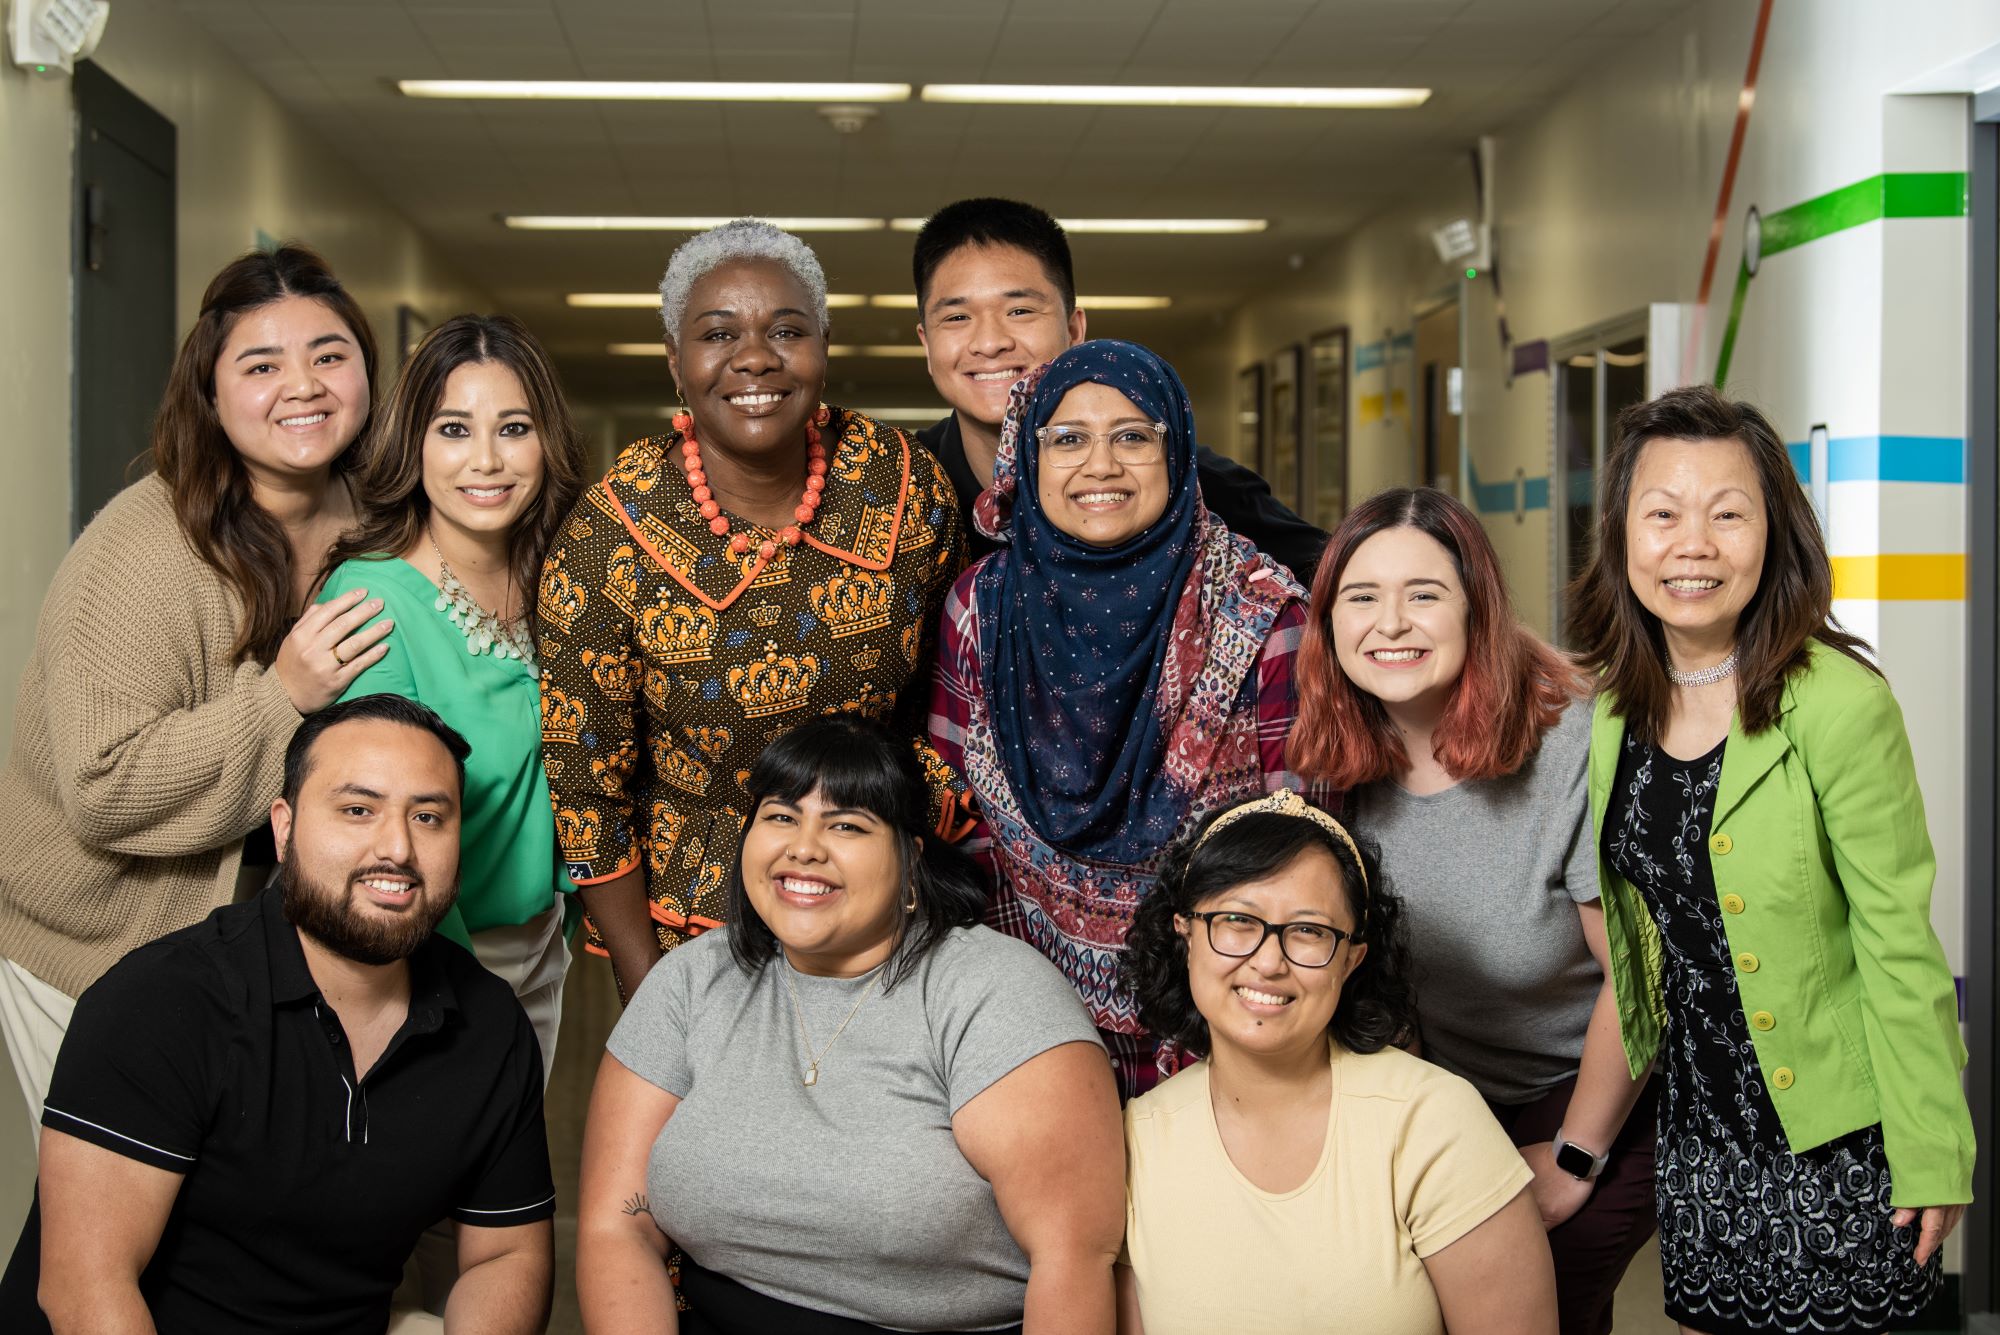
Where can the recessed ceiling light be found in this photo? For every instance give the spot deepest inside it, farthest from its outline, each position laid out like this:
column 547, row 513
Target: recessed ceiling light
column 651, row 300
column 623, row 90
column 1174, row 95
column 542, row 222
column 1136, row 226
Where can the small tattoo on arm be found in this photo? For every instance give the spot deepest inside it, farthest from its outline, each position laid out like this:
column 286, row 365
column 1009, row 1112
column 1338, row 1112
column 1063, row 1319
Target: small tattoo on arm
column 637, row 1204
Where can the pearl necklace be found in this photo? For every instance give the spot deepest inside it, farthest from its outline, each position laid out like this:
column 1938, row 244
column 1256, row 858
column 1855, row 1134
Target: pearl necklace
column 485, row 632
column 711, row 509
column 1707, row 676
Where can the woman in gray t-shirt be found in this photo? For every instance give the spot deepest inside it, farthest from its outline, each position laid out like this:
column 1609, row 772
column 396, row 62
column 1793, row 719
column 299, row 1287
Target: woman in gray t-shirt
column 1461, row 740
column 854, row 1104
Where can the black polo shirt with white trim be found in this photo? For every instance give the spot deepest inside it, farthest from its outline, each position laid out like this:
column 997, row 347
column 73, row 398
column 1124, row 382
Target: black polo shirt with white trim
column 210, row 1053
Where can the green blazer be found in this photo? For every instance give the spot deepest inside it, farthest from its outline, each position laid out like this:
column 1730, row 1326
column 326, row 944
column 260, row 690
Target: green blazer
column 1823, row 866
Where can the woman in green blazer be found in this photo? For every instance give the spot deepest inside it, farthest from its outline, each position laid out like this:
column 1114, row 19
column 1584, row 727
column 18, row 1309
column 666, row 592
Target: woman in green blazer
column 1767, row 881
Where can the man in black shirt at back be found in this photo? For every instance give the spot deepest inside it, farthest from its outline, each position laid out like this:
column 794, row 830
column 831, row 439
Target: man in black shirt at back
column 252, row 1119
column 996, row 297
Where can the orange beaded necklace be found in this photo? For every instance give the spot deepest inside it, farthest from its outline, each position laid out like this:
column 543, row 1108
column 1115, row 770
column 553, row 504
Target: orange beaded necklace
column 711, row 509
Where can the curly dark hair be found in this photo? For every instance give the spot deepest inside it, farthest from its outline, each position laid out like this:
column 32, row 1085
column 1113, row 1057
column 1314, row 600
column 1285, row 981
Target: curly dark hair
column 1376, row 1009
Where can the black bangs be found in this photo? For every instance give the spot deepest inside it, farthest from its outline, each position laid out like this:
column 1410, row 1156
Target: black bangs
column 852, row 763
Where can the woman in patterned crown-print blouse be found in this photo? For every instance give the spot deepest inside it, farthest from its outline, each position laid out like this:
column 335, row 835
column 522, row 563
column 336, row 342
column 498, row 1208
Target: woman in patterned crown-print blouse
column 768, row 561
column 1120, row 670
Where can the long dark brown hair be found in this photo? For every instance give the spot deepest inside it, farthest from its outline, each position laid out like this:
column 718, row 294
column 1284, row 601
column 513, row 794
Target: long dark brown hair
column 394, row 506
column 193, row 455
column 1793, row 604
column 1512, row 689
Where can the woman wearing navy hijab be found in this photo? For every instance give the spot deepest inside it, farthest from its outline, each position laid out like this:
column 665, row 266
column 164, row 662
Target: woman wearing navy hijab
column 1121, row 669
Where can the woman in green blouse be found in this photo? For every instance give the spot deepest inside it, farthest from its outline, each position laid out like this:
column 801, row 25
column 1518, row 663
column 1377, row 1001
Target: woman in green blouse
column 469, row 471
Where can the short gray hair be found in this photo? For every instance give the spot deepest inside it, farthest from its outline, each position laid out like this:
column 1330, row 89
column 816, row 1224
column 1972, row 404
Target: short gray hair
column 743, row 239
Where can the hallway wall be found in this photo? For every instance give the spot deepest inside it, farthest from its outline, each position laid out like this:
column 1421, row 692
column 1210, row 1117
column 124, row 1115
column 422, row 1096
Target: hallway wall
column 245, row 165
column 1855, row 319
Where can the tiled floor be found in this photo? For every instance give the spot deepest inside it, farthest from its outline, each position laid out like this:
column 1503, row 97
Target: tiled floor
column 590, row 1008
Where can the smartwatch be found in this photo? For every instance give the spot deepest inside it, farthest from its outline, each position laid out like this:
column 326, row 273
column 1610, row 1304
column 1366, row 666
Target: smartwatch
column 1577, row 1161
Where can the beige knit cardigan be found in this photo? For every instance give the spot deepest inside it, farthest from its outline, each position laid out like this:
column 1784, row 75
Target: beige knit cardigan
column 142, row 754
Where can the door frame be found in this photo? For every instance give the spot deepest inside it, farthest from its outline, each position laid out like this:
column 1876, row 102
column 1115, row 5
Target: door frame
column 1982, row 705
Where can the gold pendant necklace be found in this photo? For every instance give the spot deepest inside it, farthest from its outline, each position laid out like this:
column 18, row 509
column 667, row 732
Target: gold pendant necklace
column 814, row 1059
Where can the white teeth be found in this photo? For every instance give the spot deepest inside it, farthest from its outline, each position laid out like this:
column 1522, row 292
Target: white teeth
column 310, row 419
column 389, row 887
column 757, row 400
column 1009, row 376
column 1396, row 655
column 1102, row 497
column 484, row 493
column 799, row 887
column 1262, row 998
column 1694, row 585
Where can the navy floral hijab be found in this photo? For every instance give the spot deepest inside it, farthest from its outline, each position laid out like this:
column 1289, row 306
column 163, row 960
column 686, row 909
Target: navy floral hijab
column 1076, row 638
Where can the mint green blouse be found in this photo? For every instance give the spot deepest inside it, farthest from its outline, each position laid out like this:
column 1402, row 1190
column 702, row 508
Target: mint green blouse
column 508, row 868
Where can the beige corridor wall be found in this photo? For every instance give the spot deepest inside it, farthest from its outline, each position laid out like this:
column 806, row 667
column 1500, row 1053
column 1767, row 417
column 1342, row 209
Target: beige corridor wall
column 244, row 165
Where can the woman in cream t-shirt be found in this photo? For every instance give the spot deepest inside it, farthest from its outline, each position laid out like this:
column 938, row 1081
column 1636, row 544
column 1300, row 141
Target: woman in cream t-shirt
column 1309, row 1175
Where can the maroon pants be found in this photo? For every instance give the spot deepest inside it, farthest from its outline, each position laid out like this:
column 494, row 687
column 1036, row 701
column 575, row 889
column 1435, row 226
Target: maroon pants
column 1593, row 1247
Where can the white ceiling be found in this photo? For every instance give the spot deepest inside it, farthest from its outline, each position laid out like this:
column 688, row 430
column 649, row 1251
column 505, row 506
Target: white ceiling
column 454, row 166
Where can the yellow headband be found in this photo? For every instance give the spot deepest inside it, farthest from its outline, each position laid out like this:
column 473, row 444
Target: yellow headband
column 1287, row 802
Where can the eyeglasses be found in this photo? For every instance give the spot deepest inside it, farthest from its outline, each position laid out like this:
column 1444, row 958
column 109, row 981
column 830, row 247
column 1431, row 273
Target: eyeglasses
column 1134, row 445
column 1310, row 945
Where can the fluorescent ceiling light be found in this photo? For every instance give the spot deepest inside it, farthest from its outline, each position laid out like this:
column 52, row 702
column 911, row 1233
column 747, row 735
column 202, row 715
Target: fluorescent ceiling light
column 1174, row 95
column 833, row 350
column 624, row 90
column 898, row 301
column 1135, row 226
column 541, row 222
column 903, row 301
column 649, row 301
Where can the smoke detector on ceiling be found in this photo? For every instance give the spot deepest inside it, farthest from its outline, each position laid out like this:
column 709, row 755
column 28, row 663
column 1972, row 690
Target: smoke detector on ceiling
column 848, row 117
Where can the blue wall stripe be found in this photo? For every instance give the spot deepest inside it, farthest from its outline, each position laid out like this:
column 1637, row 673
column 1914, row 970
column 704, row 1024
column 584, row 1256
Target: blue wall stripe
column 1492, row 498
column 1368, row 356
column 1938, row 459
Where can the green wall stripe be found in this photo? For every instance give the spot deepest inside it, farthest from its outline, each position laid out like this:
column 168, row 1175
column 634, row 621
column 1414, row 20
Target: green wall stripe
column 1728, row 348
column 1890, row 195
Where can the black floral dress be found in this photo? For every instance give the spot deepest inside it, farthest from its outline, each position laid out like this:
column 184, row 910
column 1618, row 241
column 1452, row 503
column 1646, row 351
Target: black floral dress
column 1752, row 1236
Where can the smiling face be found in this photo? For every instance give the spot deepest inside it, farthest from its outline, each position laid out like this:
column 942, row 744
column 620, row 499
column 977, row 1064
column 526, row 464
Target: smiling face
column 482, row 454
column 827, row 881
column 1263, row 1004
column 370, row 845
column 1695, row 532
column 1105, row 500
column 750, row 359
column 1400, row 620
column 992, row 315
column 291, row 389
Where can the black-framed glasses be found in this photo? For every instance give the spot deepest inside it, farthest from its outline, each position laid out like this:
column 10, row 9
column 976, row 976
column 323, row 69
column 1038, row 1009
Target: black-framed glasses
column 1310, row 945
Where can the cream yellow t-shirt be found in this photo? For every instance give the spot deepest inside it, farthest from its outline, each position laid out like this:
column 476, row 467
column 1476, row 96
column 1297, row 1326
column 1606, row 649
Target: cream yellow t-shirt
column 1413, row 1161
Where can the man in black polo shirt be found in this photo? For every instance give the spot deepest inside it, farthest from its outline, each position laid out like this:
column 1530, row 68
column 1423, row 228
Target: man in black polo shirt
column 252, row 1119
column 996, row 297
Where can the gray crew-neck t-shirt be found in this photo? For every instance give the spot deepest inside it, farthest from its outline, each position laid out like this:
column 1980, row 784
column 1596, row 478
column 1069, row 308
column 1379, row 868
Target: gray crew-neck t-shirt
column 1490, row 872
column 850, row 1196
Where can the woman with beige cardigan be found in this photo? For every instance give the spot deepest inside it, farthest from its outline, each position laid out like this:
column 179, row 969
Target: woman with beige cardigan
column 171, row 663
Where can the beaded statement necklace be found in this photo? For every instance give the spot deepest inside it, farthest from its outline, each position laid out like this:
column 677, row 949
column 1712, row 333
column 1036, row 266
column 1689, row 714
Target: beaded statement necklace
column 711, row 509
column 485, row 632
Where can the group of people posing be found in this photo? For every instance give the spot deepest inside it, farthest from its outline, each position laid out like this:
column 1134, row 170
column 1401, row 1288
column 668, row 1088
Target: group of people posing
column 1054, row 888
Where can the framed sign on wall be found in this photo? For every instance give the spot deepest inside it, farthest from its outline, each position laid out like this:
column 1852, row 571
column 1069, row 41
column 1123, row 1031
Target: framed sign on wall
column 1327, row 459
column 1284, row 435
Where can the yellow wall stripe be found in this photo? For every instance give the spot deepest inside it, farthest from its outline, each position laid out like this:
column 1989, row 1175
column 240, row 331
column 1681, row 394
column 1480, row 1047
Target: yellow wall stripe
column 1901, row 576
